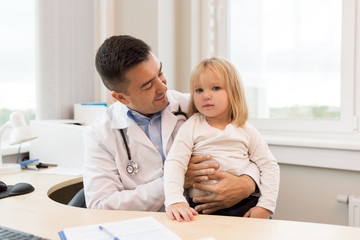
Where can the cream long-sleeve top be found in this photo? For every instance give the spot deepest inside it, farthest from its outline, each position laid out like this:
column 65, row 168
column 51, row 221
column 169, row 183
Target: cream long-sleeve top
column 234, row 148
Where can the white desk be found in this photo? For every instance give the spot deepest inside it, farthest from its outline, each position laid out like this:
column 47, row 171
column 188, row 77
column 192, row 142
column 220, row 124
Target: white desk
column 37, row 214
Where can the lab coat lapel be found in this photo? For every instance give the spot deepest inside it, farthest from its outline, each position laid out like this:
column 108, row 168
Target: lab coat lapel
column 168, row 123
column 137, row 134
column 121, row 121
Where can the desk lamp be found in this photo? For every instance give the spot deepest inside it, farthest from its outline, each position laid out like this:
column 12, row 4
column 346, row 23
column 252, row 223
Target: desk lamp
column 20, row 133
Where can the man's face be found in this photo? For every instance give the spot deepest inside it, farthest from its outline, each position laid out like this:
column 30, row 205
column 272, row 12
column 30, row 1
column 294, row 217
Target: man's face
column 147, row 89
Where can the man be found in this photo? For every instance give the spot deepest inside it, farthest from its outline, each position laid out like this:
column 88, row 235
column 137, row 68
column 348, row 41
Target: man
column 126, row 148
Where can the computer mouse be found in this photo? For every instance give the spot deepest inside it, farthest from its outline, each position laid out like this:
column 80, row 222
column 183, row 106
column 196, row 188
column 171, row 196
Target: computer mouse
column 3, row 186
column 20, row 188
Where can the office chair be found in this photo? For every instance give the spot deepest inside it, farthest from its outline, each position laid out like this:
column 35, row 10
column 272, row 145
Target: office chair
column 78, row 200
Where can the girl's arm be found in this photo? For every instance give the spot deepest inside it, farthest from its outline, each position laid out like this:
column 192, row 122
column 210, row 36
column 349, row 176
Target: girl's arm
column 176, row 164
column 269, row 170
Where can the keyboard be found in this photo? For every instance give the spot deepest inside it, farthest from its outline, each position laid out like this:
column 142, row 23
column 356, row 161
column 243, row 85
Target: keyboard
column 12, row 234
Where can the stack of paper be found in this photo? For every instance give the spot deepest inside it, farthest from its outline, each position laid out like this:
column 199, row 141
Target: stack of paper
column 134, row 229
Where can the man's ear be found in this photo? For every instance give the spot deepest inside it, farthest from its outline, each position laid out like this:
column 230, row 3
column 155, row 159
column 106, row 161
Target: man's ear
column 120, row 97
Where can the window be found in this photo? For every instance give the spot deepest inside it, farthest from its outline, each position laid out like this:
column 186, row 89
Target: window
column 287, row 51
column 297, row 60
column 17, row 58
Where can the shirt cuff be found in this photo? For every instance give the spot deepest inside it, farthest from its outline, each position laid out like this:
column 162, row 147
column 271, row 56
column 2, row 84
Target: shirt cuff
column 253, row 171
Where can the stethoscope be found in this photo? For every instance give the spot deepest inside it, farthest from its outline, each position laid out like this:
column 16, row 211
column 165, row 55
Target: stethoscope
column 132, row 167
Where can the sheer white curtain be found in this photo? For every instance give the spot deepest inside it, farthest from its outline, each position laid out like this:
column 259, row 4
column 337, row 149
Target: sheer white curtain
column 66, row 43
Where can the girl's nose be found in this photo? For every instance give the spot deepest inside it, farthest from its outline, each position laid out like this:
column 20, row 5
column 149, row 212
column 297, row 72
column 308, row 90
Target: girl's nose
column 207, row 95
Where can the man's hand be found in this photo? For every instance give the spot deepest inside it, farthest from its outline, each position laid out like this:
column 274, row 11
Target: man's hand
column 199, row 171
column 258, row 212
column 229, row 191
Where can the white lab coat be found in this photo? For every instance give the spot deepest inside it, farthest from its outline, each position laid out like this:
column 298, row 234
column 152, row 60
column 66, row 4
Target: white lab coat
column 107, row 184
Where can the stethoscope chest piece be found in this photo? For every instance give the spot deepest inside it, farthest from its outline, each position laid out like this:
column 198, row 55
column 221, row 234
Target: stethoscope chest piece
column 132, row 168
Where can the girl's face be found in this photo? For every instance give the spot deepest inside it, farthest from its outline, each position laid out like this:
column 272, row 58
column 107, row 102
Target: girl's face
column 211, row 98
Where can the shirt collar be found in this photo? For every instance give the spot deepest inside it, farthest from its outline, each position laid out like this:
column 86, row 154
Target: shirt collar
column 138, row 117
column 141, row 119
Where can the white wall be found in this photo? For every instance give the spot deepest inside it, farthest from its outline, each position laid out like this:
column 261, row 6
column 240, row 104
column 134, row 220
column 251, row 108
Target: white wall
column 170, row 27
column 311, row 179
column 152, row 21
column 69, row 34
column 309, row 194
column 65, row 48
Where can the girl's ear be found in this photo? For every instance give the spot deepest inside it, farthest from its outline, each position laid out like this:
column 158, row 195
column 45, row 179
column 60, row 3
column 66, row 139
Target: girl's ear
column 120, row 97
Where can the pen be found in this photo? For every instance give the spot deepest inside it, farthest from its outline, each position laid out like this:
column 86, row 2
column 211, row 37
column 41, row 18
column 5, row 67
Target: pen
column 108, row 233
column 26, row 162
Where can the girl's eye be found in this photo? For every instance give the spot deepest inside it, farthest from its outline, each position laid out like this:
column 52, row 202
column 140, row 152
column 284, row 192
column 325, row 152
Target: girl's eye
column 199, row 90
column 216, row 88
column 160, row 74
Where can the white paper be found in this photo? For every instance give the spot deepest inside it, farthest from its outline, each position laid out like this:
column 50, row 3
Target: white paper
column 134, row 229
column 63, row 171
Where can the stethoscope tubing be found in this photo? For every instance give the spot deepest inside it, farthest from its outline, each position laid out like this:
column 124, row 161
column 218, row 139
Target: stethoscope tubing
column 133, row 166
column 126, row 145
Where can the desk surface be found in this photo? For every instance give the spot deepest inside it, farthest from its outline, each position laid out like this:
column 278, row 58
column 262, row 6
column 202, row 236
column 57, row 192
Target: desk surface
column 36, row 213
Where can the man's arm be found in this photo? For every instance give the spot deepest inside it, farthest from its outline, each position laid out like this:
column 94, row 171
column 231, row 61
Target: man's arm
column 199, row 171
column 227, row 192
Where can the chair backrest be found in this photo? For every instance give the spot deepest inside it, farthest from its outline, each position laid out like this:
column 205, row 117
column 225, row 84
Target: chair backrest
column 78, row 200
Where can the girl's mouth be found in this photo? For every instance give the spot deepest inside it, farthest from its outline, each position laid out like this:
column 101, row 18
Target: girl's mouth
column 207, row 105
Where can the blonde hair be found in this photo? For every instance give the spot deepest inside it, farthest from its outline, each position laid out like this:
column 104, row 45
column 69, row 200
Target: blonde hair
column 228, row 75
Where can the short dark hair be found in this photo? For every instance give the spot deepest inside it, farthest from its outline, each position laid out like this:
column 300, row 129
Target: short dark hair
column 116, row 56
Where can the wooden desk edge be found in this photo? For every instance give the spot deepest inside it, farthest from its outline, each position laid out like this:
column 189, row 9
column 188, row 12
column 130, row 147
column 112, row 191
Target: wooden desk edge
column 36, row 213
column 64, row 184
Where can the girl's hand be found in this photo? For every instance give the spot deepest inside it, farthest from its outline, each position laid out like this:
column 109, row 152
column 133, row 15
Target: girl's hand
column 180, row 211
column 258, row 212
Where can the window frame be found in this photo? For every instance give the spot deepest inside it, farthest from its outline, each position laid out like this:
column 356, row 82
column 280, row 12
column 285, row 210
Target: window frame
column 339, row 134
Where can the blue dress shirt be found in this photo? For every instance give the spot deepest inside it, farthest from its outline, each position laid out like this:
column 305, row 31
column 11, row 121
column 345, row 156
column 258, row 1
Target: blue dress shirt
column 151, row 126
